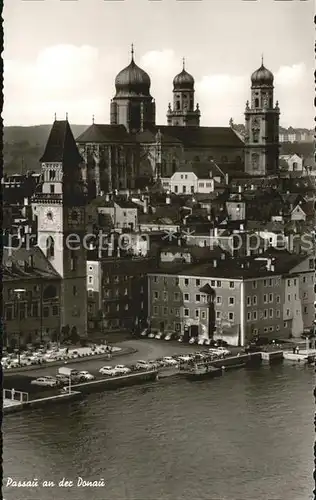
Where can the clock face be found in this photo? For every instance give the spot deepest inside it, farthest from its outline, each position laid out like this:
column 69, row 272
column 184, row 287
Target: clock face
column 51, row 218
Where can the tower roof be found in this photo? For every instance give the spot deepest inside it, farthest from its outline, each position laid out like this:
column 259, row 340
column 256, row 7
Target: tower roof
column 183, row 81
column 262, row 77
column 132, row 80
column 61, row 145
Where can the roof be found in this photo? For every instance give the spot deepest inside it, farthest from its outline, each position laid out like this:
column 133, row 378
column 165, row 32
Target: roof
column 105, row 133
column 203, row 136
column 61, row 145
column 283, row 260
column 149, row 136
column 16, row 264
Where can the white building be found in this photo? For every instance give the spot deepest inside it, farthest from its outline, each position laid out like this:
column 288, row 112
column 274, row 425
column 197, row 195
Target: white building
column 294, row 162
column 201, row 178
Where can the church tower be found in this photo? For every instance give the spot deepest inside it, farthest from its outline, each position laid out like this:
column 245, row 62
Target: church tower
column 183, row 113
column 59, row 205
column 262, row 126
column 132, row 105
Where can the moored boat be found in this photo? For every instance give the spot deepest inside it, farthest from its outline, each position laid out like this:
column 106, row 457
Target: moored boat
column 202, row 370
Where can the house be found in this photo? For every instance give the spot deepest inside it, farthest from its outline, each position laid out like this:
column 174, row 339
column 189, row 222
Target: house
column 292, row 163
column 196, row 177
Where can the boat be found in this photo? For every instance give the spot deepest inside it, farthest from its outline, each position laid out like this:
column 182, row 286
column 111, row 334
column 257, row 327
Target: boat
column 202, row 370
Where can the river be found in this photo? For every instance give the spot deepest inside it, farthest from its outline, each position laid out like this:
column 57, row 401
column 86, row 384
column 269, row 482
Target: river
column 246, row 435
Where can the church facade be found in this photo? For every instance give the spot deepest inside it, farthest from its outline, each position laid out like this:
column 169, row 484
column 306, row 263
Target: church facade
column 133, row 151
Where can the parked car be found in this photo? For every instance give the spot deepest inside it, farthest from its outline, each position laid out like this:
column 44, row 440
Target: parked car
column 185, row 358
column 84, row 375
column 122, row 369
column 223, row 350
column 169, row 336
column 154, row 364
column 108, row 370
column 193, row 340
column 169, row 361
column 62, row 379
column 45, row 381
column 142, row 365
column 159, row 335
column 144, row 333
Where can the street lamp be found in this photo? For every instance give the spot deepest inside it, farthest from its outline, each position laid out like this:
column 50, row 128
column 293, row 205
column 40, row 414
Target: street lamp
column 18, row 295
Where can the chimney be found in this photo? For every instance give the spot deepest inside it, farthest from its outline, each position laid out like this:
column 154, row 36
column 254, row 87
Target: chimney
column 214, row 263
column 168, row 199
column 239, row 189
column 226, row 179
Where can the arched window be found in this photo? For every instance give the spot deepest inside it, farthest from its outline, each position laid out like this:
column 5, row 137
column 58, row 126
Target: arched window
column 256, row 103
column 50, row 247
column 177, row 105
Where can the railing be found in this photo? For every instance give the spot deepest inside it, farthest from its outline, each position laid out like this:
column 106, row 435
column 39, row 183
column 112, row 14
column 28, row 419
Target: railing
column 14, row 395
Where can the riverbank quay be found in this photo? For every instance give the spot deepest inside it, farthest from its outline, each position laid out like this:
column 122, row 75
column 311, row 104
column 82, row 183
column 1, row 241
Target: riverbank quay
column 10, row 406
column 79, row 390
column 121, row 351
column 304, row 357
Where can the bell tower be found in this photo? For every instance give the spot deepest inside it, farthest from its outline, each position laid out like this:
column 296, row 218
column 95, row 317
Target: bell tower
column 262, row 126
column 59, row 205
column 183, row 113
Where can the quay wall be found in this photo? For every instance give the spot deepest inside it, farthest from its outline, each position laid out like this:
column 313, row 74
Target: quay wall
column 35, row 403
column 115, row 382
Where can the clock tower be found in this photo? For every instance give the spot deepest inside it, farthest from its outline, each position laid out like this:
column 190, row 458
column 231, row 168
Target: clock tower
column 59, row 205
column 262, row 126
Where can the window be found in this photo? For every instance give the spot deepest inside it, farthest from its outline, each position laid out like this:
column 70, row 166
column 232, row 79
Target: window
column 305, row 295
column 218, row 300
column 9, row 313
column 175, row 189
column 278, row 299
column 271, row 313
column 255, row 331
column 277, row 313
column 285, row 324
column 165, row 281
column 265, row 282
column 176, row 281
column 289, row 297
column 55, row 310
column 231, row 284
column 186, row 282
column 35, row 310
column 255, row 300
column 212, row 282
column 165, row 311
column 304, row 279
column 165, row 296
column 218, row 284
column 52, row 175
column 156, row 295
column 177, row 312
column 155, row 310
column 198, row 298
column 254, row 284
column 184, row 189
column 249, row 316
column 186, row 312
column 203, row 315
column 305, row 310
column 294, row 282
column 155, row 279
column 45, row 312
column 125, row 291
column 231, row 301
column 288, row 312
column 73, row 261
column 218, row 314
column 271, row 328
column 176, row 296
column 265, row 313
column 231, row 316
column 270, row 297
column 270, row 282
column 74, row 291
column 248, row 301
column 52, row 189
column 288, row 282
column 255, row 315
column 90, row 293
column 256, row 103
column 197, row 313
column 186, row 297
column 265, row 298
column 192, row 189
column 266, row 329
column 197, row 282
column 201, row 184
column 90, row 280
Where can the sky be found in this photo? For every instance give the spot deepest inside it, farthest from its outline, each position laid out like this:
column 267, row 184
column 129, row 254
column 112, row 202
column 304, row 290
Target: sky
column 62, row 56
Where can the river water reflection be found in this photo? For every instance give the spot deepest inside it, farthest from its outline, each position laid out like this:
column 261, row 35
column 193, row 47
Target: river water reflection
column 247, row 435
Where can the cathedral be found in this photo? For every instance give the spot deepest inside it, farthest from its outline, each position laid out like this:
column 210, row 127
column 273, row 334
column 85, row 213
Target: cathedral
column 133, row 151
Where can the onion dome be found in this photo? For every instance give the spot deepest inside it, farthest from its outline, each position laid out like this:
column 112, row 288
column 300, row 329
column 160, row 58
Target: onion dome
column 183, row 81
column 262, row 77
column 132, row 80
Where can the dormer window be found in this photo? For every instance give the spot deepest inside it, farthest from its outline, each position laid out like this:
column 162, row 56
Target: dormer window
column 52, row 175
